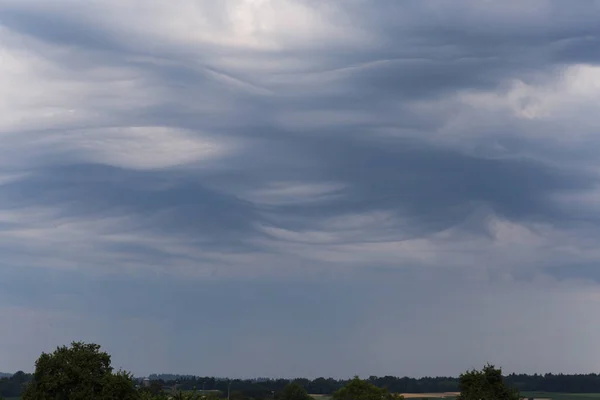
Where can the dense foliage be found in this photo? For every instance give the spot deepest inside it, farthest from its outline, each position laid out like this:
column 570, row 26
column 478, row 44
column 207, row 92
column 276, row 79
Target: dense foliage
column 487, row 384
column 78, row 372
column 358, row 389
column 294, row 391
column 13, row 385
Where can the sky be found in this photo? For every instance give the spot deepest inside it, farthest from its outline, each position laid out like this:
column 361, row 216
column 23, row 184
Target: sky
column 287, row 188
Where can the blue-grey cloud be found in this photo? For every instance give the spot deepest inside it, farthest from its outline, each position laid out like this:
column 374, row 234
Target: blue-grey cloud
column 290, row 164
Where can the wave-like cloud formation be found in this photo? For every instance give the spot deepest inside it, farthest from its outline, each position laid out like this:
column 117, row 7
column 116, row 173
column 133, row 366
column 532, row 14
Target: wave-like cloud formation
column 246, row 139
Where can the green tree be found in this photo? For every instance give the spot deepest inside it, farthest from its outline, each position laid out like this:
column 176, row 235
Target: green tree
column 156, row 387
column 236, row 395
column 146, row 395
column 119, row 386
column 358, row 389
column 192, row 395
column 487, row 384
column 78, row 372
column 294, row 391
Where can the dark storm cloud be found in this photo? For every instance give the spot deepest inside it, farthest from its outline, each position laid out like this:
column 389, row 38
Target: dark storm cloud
column 427, row 184
column 429, row 181
column 56, row 27
column 168, row 202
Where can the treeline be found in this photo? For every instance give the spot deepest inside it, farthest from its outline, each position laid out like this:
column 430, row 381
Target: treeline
column 563, row 383
column 13, row 386
column 260, row 388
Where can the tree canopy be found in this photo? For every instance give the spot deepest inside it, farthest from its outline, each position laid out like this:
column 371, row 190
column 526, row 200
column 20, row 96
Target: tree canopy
column 294, row 391
column 358, row 389
column 78, row 372
column 486, row 384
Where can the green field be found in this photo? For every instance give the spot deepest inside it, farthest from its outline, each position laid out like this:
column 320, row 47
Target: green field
column 537, row 395
column 321, row 396
column 561, row 396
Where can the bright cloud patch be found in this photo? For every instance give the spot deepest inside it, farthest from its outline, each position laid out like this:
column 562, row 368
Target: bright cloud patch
column 141, row 147
column 576, row 90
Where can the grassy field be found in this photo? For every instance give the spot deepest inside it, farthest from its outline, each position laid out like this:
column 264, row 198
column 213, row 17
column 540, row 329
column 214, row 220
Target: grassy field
column 526, row 395
column 450, row 396
column 321, row 396
column 432, row 396
column 561, row 396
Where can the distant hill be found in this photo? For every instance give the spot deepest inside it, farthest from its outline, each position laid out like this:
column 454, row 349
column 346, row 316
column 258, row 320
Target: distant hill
column 5, row 375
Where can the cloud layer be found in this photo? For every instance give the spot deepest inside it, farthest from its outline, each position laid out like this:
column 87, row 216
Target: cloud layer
column 250, row 145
